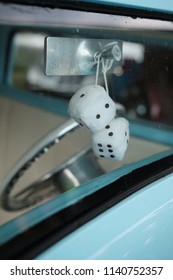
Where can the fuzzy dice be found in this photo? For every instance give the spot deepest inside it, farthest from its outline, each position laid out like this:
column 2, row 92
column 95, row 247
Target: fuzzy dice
column 92, row 107
column 112, row 142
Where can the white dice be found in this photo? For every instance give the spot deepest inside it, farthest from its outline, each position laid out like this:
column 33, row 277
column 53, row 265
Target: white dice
column 112, row 141
column 92, row 107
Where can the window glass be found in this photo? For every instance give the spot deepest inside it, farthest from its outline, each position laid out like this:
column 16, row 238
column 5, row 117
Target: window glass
column 142, row 86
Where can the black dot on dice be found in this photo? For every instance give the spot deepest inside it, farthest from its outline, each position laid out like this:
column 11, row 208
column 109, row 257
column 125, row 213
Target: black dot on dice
column 81, row 124
column 101, row 155
column 110, row 133
column 127, row 141
column 110, row 151
column 82, row 95
column 126, row 133
column 112, row 156
column 99, row 144
column 98, row 116
column 109, row 146
column 101, row 150
column 107, row 126
column 106, row 105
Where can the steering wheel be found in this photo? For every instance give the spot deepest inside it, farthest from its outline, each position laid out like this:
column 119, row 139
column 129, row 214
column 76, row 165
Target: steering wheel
column 12, row 203
column 31, row 194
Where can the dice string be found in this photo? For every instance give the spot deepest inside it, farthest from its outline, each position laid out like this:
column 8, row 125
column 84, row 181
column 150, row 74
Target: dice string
column 97, row 68
column 106, row 65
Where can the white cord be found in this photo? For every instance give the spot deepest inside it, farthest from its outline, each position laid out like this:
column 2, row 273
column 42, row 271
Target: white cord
column 98, row 66
column 106, row 65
